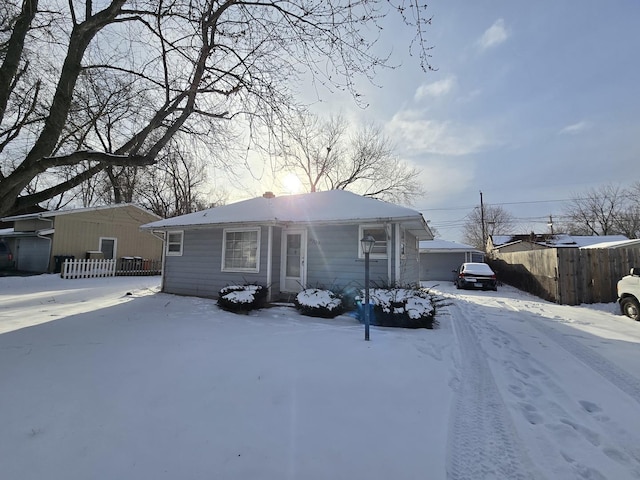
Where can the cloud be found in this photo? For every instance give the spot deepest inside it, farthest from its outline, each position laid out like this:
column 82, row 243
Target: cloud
column 575, row 128
column 415, row 135
column 494, row 35
column 435, row 89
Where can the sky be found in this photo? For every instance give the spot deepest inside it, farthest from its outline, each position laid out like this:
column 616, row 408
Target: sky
column 532, row 103
column 107, row 378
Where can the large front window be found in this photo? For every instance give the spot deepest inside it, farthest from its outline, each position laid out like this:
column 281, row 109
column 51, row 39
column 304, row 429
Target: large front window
column 241, row 250
column 379, row 232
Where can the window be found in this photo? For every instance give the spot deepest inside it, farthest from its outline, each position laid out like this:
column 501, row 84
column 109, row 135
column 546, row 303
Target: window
column 108, row 247
column 241, row 250
column 379, row 232
column 174, row 243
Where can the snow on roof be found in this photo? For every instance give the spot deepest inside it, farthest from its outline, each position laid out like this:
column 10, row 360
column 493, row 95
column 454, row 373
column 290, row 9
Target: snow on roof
column 330, row 206
column 55, row 213
column 615, row 244
column 501, row 239
column 586, row 240
column 557, row 240
column 445, row 245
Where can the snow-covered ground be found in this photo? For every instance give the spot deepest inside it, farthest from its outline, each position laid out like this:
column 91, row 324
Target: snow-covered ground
column 107, row 378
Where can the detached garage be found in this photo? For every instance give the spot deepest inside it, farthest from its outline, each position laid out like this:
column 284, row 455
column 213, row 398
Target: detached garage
column 40, row 240
column 438, row 259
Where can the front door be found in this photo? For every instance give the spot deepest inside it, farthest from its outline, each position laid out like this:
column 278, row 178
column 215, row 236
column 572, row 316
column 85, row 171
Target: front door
column 293, row 269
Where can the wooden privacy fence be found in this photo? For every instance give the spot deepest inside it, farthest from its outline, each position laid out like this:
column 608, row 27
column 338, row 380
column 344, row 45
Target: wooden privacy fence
column 569, row 276
column 94, row 267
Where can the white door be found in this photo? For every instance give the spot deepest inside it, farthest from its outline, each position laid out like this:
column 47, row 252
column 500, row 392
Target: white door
column 293, row 269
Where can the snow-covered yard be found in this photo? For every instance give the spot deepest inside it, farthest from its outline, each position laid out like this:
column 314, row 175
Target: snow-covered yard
column 97, row 383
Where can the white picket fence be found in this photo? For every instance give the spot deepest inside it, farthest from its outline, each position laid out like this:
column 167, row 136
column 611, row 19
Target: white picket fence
column 87, row 268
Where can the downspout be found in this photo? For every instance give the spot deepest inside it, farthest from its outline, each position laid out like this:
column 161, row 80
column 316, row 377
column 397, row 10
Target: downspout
column 388, row 230
column 397, row 254
column 50, row 241
column 269, row 261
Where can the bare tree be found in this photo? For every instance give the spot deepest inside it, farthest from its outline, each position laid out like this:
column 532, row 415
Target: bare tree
column 327, row 157
column 628, row 221
column 183, row 65
column 599, row 211
column 497, row 221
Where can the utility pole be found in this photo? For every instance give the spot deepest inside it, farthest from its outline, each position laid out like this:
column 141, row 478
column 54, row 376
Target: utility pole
column 551, row 223
column 484, row 230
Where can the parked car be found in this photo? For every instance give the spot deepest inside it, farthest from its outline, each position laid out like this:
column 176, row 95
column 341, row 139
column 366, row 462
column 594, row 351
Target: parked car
column 6, row 257
column 629, row 294
column 476, row 275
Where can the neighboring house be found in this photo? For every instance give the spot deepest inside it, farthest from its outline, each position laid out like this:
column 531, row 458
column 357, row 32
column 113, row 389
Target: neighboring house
column 523, row 243
column 439, row 258
column 39, row 239
column 291, row 242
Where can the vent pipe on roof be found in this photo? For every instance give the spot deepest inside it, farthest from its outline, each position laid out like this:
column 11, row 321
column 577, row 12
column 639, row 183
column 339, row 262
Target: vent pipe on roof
column 268, row 195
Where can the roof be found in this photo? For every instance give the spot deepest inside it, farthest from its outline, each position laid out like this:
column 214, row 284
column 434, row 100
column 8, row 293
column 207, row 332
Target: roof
column 56, row 213
column 445, row 246
column 560, row 240
column 11, row 233
column 333, row 206
column 615, row 244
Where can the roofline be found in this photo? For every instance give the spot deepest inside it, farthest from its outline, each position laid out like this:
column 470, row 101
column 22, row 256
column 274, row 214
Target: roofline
column 276, row 222
column 55, row 213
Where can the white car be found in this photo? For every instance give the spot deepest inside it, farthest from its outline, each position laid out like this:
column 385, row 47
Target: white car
column 629, row 294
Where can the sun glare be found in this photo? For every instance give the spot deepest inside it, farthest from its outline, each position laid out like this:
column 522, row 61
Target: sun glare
column 291, row 184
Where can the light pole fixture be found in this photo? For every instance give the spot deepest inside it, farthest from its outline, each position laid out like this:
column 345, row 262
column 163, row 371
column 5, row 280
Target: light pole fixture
column 367, row 243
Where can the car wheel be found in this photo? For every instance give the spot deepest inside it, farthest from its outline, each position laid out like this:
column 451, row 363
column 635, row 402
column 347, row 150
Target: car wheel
column 630, row 308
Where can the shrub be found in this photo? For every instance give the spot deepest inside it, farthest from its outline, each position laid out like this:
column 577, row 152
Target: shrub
column 316, row 302
column 242, row 298
column 404, row 307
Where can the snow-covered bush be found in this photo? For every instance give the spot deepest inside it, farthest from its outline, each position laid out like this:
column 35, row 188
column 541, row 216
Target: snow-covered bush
column 404, row 307
column 316, row 302
column 242, row 298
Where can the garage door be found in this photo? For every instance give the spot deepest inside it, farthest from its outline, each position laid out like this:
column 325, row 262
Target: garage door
column 439, row 266
column 33, row 254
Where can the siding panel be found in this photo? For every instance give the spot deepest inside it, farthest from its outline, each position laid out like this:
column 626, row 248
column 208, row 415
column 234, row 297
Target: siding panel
column 198, row 271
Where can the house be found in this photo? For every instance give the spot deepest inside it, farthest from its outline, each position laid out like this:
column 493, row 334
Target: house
column 40, row 240
column 289, row 243
column 439, row 258
column 523, row 243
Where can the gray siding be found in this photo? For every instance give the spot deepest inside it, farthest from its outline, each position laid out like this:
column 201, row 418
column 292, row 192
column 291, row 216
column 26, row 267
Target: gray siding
column 199, row 272
column 277, row 258
column 331, row 262
column 410, row 263
column 332, row 259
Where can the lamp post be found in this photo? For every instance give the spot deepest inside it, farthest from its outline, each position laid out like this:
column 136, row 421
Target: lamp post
column 367, row 243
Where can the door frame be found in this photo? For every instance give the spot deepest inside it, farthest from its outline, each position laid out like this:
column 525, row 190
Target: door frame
column 303, row 258
column 115, row 245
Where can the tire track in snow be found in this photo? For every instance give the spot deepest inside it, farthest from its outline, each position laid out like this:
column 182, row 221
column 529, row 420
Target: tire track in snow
column 482, row 442
column 610, row 371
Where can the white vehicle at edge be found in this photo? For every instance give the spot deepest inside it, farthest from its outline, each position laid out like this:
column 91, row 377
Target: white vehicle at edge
column 629, row 294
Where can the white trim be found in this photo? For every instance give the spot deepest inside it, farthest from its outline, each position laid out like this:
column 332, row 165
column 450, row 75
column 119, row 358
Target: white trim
column 255, row 269
column 370, row 226
column 168, row 243
column 398, row 253
column 269, row 260
column 115, row 246
column 283, row 258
